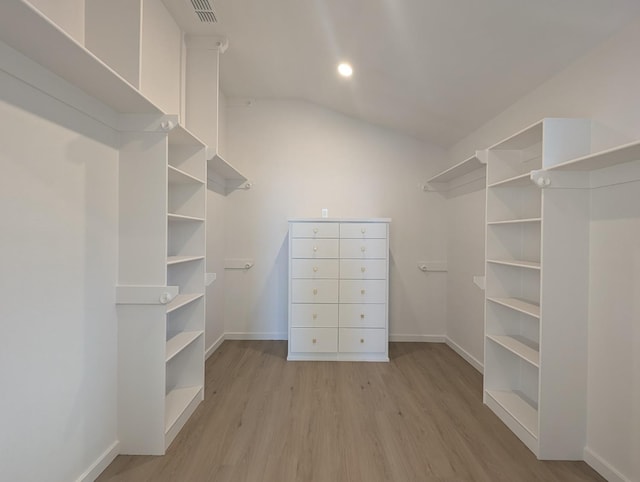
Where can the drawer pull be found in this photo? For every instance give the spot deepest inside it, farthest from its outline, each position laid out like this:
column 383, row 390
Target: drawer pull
column 362, row 316
column 315, row 316
column 315, row 230
column 315, row 291
column 363, row 249
column 313, row 341
column 363, row 230
column 315, row 248
column 315, row 269
column 361, row 340
column 363, row 269
column 362, row 291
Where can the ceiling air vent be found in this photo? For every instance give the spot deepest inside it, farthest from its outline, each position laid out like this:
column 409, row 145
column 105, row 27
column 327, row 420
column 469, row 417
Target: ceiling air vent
column 204, row 11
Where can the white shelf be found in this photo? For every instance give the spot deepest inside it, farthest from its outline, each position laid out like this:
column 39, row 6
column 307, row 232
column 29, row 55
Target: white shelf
column 180, row 218
column 516, row 406
column 516, row 263
column 171, row 260
column 517, row 304
column 610, row 157
column 25, row 29
column 223, row 175
column 176, row 402
column 182, row 300
column 181, row 136
column 180, row 341
column 459, row 170
column 521, row 140
column 515, row 221
column 516, row 181
column 520, row 346
column 177, row 176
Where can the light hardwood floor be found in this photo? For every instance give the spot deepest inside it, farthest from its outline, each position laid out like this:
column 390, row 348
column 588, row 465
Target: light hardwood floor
column 418, row 418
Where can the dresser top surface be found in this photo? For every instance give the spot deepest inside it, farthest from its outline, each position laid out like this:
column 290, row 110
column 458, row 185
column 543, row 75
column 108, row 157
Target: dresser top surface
column 340, row 220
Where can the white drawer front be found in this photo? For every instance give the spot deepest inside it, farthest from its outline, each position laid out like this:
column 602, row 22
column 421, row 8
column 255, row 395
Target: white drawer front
column 314, row 291
column 314, row 340
column 314, row 315
column 363, row 248
column 315, row 268
column 363, row 230
column 363, row 291
column 363, row 315
column 315, row 230
column 363, row 268
column 314, row 248
column 362, row 340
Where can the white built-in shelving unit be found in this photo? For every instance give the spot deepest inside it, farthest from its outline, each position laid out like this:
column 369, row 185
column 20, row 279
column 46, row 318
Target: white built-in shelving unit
column 536, row 290
column 163, row 173
column 462, row 173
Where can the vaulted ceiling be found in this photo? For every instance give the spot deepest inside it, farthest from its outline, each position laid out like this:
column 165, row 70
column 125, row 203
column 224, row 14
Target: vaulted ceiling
column 435, row 69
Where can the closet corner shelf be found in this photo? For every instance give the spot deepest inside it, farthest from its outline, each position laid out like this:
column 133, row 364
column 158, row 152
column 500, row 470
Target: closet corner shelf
column 599, row 160
column 516, row 263
column 220, row 172
column 182, row 300
column 518, row 408
column 180, row 341
column 180, row 218
column 519, row 346
column 25, row 29
column 178, row 176
column 181, row 136
column 458, row 170
column 517, row 304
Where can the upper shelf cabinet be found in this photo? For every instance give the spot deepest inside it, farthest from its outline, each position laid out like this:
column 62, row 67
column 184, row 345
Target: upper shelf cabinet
column 458, row 175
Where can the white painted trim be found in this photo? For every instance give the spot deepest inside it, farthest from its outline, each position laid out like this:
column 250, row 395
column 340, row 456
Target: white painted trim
column 417, row 338
column 473, row 361
column 603, row 467
column 240, row 335
column 216, row 344
column 101, row 463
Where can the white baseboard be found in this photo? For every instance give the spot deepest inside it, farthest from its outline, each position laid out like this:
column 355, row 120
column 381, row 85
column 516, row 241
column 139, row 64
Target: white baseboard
column 417, row 338
column 241, row 335
column 603, row 467
column 473, row 361
column 101, row 463
column 216, row 344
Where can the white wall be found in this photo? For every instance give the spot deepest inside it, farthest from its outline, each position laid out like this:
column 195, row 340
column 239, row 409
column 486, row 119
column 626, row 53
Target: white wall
column 67, row 14
column 302, row 158
column 58, row 252
column 602, row 86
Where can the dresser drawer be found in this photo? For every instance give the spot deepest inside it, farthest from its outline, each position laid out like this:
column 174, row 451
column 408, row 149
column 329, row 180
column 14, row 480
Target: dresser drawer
column 362, row 340
column 363, row 268
column 315, row 268
column 315, row 230
column 363, row 230
column 359, row 315
column 363, row 248
column 314, row 248
column 314, row 315
column 363, row 291
column 313, row 340
column 314, row 291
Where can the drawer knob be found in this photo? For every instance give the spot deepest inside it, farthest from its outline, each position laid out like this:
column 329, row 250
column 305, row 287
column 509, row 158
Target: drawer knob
column 315, row 230
column 315, row 291
column 315, row 316
column 313, row 341
column 363, row 269
column 363, row 230
column 315, row 269
column 315, row 248
column 362, row 316
column 361, row 340
column 363, row 249
column 362, row 291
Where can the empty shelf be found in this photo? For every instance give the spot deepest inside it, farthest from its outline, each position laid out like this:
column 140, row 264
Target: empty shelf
column 181, row 136
column 520, row 346
column 515, row 221
column 182, row 300
column 517, row 181
column 181, row 218
column 177, row 176
column 176, row 402
column 460, row 169
column 179, row 342
column 517, row 304
column 516, row 406
column 610, row 157
column 516, row 263
column 171, row 260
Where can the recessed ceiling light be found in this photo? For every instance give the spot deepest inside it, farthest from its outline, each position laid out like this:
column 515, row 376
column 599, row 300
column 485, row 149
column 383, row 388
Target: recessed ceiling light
column 345, row 69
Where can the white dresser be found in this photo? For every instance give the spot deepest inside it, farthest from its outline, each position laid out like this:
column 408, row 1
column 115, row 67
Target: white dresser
column 339, row 289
